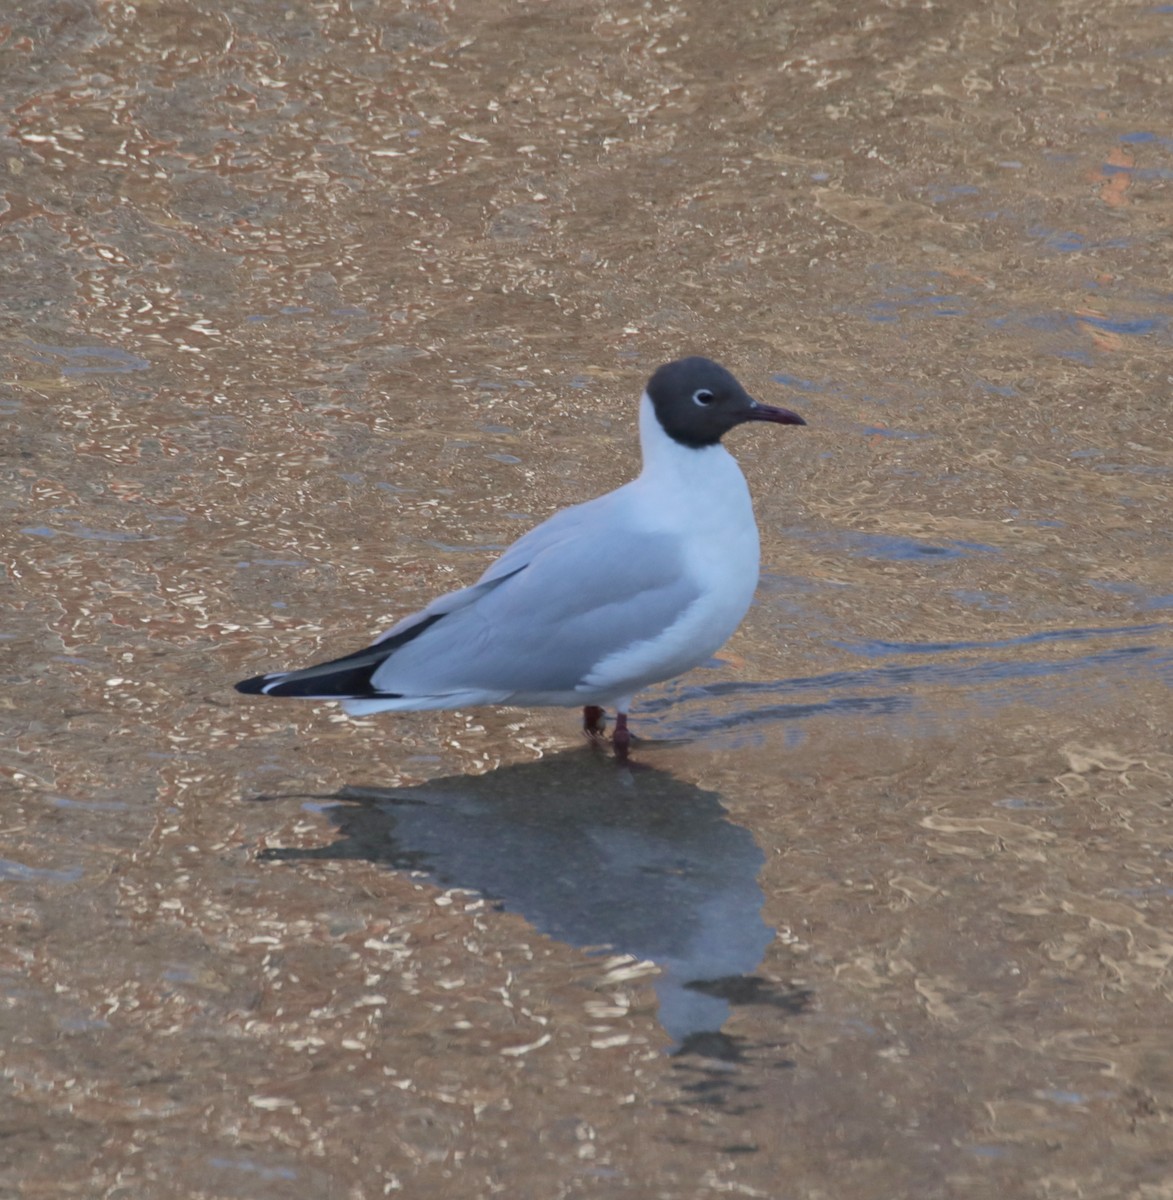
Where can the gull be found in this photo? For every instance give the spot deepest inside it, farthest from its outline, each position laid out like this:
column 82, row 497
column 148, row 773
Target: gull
column 599, row 601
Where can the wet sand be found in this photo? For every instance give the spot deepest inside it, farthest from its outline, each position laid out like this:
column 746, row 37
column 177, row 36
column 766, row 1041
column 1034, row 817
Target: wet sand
column 308, row 310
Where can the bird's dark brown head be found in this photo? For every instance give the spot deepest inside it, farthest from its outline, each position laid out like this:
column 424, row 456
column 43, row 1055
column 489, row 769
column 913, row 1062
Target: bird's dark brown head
column 697, row 402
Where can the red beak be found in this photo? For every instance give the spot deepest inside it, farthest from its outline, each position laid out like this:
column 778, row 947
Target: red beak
column 780, row 416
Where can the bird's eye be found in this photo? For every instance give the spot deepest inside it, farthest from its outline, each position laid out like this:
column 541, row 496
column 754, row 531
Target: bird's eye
column 703, row 397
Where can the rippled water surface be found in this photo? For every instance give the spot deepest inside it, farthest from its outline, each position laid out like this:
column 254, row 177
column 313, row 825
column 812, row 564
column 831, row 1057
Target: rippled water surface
column 307, row 310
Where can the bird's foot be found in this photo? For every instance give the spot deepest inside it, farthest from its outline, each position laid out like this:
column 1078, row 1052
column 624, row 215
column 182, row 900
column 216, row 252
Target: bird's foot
column 594, row 724
column 621, row 739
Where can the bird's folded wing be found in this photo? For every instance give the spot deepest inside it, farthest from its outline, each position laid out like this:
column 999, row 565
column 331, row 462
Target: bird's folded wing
column 579, row 521
column 554, row 530
column 351, row 675
column 546, row 613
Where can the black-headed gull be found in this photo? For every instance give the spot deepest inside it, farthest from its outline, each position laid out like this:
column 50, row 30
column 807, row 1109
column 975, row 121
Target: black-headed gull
column 599, row 601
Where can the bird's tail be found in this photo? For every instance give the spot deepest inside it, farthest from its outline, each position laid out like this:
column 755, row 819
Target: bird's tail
column 346, row 678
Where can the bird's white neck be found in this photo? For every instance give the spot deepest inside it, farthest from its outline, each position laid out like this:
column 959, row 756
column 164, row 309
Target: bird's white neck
column 690, row 484
column 665, row 456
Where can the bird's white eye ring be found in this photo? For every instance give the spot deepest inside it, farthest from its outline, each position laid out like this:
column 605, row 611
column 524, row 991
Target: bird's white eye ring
column 703, row 397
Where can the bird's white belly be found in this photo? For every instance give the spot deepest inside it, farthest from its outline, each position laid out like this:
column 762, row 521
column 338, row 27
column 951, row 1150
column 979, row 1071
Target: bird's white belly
column 725, row 569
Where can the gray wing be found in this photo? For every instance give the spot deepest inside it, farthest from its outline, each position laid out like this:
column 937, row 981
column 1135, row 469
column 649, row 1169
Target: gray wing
column 562, row 525
column 354, row 675
column 558, row 602
column 565, row 525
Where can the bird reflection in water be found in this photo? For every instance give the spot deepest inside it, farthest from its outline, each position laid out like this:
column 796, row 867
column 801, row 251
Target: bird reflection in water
column 638, row 863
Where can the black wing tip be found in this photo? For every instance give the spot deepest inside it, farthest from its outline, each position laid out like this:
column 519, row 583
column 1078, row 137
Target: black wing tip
column 347, row 682
column 254, row 686
column 348, row 685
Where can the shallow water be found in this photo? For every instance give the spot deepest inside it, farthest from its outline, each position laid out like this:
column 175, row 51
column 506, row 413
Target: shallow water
column 307, row 311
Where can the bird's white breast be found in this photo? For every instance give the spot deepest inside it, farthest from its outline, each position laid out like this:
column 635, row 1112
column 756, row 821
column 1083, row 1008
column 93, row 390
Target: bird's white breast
column 700, row 497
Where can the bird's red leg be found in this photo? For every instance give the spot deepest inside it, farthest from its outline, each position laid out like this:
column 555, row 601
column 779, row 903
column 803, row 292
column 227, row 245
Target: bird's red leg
column 621, row 738
column 593, row 724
